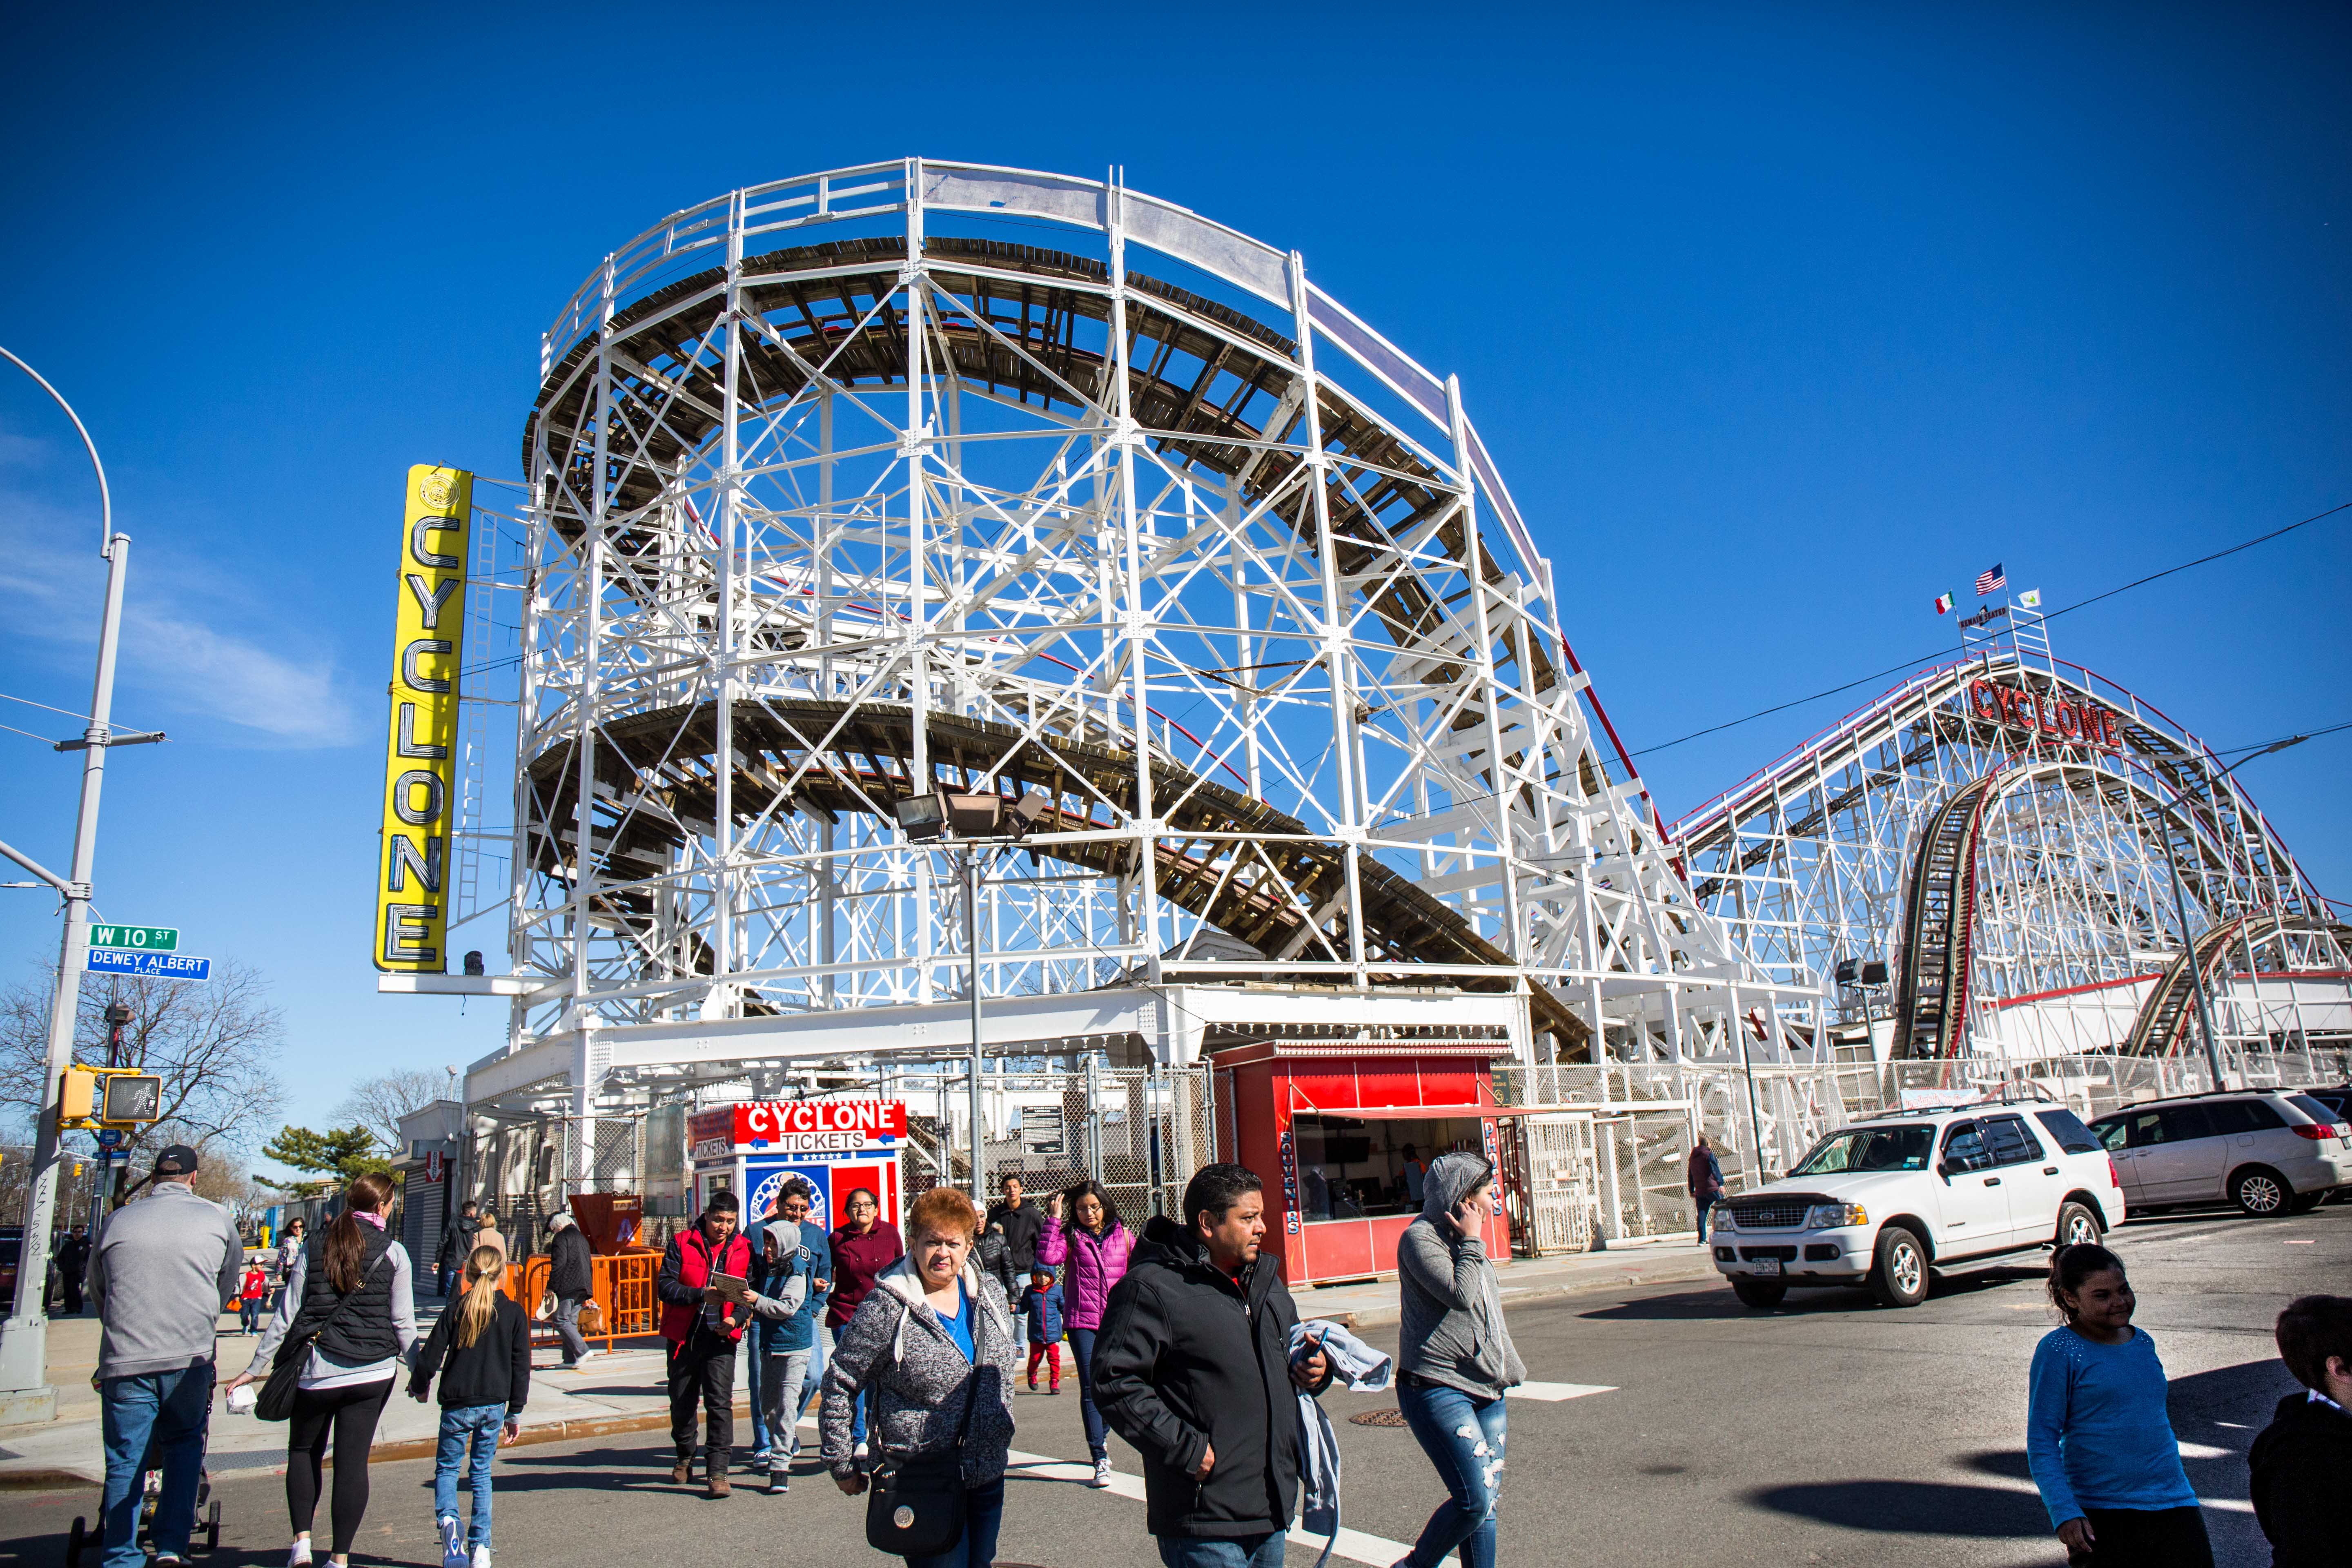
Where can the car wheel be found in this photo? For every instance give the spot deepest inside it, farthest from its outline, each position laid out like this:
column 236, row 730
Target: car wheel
column 1756, row 1294
column 2305, row 1202
column 2261, row 1191
column 2077, row 1227
column 1900, row 1277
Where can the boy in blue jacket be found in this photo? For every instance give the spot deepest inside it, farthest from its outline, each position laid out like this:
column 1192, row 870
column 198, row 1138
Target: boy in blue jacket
column 789, row 1286
column 1042, row 1303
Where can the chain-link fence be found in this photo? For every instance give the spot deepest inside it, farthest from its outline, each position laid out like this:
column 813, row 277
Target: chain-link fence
column 1140, row 1132
column 1601, row 1152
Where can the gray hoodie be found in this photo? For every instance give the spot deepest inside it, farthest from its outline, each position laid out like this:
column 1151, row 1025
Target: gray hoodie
column 160, row 1271
column 1452, row 1328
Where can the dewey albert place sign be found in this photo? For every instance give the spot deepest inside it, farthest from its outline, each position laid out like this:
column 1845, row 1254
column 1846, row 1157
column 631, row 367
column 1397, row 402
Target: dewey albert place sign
column 2069, row 720
column 148, row 965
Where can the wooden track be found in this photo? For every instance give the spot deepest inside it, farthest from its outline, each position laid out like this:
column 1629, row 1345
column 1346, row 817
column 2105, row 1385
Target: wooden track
column 858, row 760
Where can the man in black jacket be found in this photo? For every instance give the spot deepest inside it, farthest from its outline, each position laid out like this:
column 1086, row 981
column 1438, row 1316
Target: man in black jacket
column 458, row 1245
column 1192, row 1366
column 2299, row 1462
column 1018, row 1221
column 570, row 1279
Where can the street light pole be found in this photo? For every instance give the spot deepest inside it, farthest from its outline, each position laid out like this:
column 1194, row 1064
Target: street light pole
column 24, row 1391
column 2189, row 950
column 971, row 950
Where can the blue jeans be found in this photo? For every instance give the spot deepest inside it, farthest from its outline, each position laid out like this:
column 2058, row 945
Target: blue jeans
column 478, row 1426
column 1463, row 1437
column 1221, row 1552
column 1703, row 1205
column 171, row 1411
column 984, row 1512
column 1082, row 1351
column 820, row 1352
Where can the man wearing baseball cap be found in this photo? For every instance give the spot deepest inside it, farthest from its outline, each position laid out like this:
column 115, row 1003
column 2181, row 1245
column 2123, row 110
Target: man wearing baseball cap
column 159, row 1271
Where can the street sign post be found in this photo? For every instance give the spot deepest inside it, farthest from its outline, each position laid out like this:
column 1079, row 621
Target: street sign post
column 143, row 938
column 148, row 965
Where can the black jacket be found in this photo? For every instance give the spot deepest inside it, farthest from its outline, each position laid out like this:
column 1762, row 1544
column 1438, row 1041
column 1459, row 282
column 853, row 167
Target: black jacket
column 457, row 1242
column 2299, row 1464
column 995, row 1263
column 569, row 1272
column 1186, row 1361
column 494, row 1370
column 1021, row 1229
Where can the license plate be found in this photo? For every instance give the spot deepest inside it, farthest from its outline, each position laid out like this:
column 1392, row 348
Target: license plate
column 1768, row 1265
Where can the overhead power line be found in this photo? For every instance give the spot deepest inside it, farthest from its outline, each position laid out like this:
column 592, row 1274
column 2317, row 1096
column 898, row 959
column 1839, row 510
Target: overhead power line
column 1914, row 663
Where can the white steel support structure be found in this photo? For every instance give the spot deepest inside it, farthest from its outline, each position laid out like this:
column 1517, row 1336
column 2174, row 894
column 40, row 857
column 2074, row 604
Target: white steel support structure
column 2059, row 872
column 844, row 488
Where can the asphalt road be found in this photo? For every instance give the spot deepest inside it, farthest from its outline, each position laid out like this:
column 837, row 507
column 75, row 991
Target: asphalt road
column 1830, row 1431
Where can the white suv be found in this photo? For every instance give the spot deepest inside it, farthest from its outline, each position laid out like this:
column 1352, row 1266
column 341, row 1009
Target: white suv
column 1902, row 1195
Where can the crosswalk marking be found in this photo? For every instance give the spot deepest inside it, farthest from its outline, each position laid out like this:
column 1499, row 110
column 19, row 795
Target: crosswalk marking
column 1354, row 1545
column 1552, row 1393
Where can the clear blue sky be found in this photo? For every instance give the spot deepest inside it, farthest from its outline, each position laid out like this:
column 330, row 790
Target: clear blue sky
column 1779, row 327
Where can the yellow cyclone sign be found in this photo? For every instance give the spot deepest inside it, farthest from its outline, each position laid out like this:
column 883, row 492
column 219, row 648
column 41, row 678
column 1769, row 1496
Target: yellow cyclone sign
column 420, row 807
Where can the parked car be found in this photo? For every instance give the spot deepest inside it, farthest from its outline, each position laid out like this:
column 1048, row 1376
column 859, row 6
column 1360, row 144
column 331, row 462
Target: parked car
column 1901, row 1196
column 2267, row 1151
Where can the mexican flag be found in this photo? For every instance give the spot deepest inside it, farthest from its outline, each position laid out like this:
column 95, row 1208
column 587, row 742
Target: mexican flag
column 1943, row 603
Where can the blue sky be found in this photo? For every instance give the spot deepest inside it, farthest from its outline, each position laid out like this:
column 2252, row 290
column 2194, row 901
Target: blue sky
column 1778, row 326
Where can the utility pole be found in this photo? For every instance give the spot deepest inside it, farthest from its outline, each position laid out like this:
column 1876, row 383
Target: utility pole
column 26, row 1394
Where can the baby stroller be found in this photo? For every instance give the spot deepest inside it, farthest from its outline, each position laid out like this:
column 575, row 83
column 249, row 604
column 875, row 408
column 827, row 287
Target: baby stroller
column 206, row 1536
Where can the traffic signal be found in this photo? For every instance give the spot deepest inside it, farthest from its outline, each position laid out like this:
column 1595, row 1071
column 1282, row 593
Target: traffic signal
column 91, row 1098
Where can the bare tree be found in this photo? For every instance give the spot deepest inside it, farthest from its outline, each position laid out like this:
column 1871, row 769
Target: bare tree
column 215, row 1044
column 378, row 1104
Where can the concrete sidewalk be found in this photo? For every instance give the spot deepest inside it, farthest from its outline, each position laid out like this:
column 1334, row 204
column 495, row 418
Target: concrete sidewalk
column 626, row 1391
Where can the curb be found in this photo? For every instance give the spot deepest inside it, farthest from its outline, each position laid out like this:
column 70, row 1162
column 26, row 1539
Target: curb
column 1685, row 1271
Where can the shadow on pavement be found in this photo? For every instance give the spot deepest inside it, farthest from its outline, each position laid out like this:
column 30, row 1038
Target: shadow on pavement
column 1719, row 1302
column 1912, row 1507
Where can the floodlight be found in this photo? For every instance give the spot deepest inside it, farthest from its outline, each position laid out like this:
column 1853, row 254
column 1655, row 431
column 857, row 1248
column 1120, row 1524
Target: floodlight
column 922, row 817
column 1874, row 973
column 1030, row 811
column 973, row 816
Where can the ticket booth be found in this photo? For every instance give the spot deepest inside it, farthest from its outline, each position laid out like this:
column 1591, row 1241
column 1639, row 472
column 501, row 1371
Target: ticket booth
column 836, row 1146
column 1332, row 1126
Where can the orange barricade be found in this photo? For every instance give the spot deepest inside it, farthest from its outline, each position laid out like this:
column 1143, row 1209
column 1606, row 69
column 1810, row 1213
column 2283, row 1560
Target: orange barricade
column 621, row 1284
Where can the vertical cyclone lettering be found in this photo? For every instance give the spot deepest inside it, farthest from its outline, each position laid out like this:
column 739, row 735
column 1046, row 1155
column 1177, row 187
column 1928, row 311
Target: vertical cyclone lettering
column 417, row 819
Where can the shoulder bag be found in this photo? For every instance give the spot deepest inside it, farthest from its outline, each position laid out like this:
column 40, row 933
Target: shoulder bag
column 914, row 1506
column 275, row 1402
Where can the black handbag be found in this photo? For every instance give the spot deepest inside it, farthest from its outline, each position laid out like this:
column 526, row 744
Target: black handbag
column 276, row 1400
column 914, row 1507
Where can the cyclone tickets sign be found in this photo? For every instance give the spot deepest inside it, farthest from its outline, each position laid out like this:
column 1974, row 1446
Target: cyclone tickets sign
column 2051, row 717
column 799, row 1127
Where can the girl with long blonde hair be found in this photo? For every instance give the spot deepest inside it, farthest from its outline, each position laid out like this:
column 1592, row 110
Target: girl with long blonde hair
column 481, row 1349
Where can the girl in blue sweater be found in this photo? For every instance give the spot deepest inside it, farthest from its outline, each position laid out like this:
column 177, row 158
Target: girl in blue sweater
column 2097, row 1435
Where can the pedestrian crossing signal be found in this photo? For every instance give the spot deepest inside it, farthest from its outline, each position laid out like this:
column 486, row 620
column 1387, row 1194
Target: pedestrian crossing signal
column 91, row 1098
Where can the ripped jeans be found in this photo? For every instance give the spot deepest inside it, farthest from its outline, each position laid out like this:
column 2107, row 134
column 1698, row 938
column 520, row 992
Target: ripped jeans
column 1463, row 1437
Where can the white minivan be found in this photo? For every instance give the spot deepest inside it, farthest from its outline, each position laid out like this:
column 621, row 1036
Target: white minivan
column 1896, row 1198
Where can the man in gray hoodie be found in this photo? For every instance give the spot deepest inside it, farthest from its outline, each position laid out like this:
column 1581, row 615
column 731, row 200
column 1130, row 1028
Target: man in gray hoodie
column 160, row 1272
column 1454, row 1357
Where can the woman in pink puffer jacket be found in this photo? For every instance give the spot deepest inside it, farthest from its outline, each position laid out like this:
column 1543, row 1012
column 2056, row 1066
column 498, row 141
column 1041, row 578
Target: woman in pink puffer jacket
column 1084, row 1238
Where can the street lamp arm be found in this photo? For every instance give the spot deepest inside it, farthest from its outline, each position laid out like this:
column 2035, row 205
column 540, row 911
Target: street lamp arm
column 105, row 496
column 43, row 872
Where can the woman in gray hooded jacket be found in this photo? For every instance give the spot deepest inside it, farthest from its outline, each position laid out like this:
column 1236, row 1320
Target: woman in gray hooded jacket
column 1455, row 1358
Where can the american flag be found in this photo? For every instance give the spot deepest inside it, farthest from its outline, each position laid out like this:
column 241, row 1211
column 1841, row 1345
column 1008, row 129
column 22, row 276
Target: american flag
column 1987, row 581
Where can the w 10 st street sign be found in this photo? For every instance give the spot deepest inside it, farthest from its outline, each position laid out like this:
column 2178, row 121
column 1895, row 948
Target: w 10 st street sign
column 140, row 939
column 148, row 965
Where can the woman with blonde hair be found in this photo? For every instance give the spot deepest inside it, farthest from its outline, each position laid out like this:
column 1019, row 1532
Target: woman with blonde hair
column 481, row 1349
column 350, row 1311
column 935, row 1348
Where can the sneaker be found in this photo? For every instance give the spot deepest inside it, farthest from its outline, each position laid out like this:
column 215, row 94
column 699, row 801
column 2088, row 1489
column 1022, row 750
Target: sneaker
column 1102, row 1475
column 453, row 1542
column 481, row 1557
column 780, row 1481
column 300, row 1557
column 759, row 1458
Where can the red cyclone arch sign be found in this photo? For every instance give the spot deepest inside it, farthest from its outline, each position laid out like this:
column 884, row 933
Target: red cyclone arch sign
column 2051, row 718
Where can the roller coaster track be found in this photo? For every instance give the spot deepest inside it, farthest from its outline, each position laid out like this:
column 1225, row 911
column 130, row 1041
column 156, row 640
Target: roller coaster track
column 2162, row 1029
column 1246, row 869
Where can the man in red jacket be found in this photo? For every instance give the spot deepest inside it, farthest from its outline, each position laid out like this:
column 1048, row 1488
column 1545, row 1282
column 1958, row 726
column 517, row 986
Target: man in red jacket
column 703, row 1324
